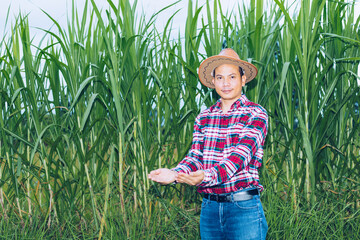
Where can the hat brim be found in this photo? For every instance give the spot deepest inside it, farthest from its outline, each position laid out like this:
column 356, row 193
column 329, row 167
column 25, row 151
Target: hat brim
column 209, row 64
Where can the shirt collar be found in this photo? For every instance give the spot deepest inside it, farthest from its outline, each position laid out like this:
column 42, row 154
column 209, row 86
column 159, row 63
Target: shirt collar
column 240, row 102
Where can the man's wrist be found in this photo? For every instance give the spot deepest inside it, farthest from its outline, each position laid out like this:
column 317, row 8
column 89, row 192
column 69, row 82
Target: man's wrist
column 175, row 173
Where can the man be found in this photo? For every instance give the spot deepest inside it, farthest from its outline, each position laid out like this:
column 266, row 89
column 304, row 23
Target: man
column 226, row 154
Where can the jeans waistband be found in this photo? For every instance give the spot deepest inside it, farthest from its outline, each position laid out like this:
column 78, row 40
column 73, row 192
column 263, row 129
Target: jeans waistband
column 238, row 196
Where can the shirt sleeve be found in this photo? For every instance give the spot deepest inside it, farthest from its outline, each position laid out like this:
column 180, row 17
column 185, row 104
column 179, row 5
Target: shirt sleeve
column 193, row 161
column 251, row 138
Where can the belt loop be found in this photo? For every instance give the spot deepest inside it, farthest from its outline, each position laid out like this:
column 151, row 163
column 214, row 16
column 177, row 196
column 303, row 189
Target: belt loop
column 232, row 197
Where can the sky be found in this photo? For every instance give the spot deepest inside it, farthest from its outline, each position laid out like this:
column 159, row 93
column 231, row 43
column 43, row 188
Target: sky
column 59, row 9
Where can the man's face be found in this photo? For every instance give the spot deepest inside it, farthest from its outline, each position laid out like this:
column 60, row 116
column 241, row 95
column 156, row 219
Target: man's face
column 228, row 82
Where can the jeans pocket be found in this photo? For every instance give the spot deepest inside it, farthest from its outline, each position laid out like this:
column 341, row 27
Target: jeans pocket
column 205, row 203
column 248, row 204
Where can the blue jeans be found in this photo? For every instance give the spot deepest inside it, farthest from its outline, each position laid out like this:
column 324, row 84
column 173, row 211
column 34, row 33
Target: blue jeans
column 233, row 220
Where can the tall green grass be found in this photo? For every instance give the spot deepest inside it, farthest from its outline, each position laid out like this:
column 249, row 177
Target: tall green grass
column 102, row 101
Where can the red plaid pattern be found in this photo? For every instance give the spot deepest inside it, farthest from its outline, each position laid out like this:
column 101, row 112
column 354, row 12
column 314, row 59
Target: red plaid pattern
column 228, row 147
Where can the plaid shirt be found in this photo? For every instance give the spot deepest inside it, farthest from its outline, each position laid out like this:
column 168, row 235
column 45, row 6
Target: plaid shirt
column 228, row 147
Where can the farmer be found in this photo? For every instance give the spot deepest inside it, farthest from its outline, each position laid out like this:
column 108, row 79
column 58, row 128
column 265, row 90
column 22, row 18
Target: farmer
column 226, row 154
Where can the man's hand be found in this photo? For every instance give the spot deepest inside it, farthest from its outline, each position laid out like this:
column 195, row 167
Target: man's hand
column 162, row 175
column 193, row 178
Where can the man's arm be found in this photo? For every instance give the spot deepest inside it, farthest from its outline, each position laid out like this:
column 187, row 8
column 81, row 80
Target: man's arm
column 193, row 178
column 193, row 160
column 191, row 163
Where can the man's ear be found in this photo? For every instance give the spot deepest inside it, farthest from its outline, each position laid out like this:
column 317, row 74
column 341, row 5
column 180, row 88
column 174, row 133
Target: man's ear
column 213, row 80
column 243, row 80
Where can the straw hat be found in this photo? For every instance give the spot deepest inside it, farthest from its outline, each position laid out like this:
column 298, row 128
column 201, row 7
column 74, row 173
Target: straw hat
column 226, row 56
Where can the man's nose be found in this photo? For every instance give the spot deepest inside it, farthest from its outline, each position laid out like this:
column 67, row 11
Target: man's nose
column 226, row 81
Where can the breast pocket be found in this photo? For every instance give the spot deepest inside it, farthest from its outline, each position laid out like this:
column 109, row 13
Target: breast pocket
column 234, row 134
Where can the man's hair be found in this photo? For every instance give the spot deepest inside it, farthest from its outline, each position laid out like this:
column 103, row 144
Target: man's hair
column 241, row 71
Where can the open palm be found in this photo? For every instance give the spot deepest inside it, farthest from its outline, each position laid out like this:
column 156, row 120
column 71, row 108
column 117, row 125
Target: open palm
column 162, row 175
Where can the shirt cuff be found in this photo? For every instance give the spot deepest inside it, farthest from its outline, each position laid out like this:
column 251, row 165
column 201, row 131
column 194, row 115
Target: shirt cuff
column 176, row 169
column 179, row 169
column 207, row 178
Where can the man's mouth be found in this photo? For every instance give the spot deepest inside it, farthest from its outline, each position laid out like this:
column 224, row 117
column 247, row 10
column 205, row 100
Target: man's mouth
column 226, row 90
